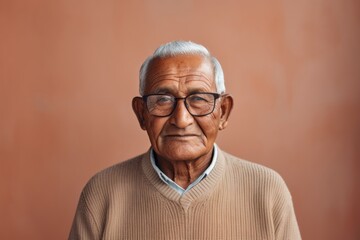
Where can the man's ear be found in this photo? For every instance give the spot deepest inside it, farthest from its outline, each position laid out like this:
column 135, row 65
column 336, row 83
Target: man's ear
column 227, row 103
column 139, row 110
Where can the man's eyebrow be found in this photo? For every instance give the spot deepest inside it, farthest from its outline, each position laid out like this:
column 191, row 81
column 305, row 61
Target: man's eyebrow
column 170, row 92
column 163, row 90
column 198, row 90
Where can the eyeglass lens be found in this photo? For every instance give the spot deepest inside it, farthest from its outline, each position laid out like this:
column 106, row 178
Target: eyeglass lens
column 198, row 104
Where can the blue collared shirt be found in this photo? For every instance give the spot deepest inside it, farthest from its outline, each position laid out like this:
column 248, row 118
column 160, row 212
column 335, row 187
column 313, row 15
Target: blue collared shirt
column 172, row 184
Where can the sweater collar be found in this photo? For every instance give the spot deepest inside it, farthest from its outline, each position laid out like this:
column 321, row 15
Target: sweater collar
column 175, row 186
column 199, row 192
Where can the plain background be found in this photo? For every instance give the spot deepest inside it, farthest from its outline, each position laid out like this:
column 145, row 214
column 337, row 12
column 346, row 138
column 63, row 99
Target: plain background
column 69, row 69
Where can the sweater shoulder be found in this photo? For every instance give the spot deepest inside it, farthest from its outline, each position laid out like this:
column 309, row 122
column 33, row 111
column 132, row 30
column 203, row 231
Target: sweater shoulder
column 124, row 166
column 253, row 171
column 121, row 173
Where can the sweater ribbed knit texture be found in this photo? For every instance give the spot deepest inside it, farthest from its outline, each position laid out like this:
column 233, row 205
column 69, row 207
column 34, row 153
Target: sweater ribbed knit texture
column 237, row 200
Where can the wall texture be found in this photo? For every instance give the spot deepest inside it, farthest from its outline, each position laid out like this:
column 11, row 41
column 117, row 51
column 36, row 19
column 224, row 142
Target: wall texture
column 68, row 71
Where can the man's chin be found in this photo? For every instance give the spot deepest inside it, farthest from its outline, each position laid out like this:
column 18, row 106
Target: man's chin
column 183, row 152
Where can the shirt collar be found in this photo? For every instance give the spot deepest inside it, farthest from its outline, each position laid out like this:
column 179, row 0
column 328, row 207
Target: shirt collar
column 175, row 186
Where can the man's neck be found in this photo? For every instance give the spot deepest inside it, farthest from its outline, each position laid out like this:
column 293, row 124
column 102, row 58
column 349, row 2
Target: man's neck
column 183, row 173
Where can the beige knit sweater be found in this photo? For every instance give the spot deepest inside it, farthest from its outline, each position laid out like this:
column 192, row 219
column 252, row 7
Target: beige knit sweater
column 237, row 200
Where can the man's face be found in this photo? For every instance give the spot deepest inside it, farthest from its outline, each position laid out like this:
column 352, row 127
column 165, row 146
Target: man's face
column 180, row 136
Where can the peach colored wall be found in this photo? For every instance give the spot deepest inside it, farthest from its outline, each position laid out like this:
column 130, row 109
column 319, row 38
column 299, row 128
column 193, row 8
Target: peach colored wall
column 68, row 71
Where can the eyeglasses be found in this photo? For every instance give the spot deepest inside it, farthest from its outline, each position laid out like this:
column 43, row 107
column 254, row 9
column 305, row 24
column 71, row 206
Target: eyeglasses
column 197, row 104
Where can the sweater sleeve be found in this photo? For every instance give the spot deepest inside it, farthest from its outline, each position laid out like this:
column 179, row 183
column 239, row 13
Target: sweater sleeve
column 84, row 225
column 285, row 223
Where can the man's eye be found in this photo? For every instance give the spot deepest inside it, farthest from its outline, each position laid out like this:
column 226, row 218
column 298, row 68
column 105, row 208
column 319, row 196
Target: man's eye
column 197, row 98
column 163, row 100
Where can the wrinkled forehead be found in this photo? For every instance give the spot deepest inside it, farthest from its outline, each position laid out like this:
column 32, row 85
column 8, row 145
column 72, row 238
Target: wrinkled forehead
column 194, row 69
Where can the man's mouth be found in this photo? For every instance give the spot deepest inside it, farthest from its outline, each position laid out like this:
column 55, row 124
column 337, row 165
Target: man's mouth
column 180, row 135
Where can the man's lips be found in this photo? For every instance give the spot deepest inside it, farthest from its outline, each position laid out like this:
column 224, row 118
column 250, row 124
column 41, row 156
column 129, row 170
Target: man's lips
column 181, row 135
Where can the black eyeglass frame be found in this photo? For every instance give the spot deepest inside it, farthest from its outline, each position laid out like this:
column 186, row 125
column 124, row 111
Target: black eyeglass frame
column 216, row 96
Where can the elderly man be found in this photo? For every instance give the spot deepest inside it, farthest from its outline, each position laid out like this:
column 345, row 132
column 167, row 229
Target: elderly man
column 185, row 186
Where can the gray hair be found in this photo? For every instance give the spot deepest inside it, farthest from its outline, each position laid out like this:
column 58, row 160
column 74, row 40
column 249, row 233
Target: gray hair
column 175, row 48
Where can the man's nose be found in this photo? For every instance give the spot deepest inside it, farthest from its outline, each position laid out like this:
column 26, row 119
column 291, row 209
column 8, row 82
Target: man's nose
column 181, row 116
